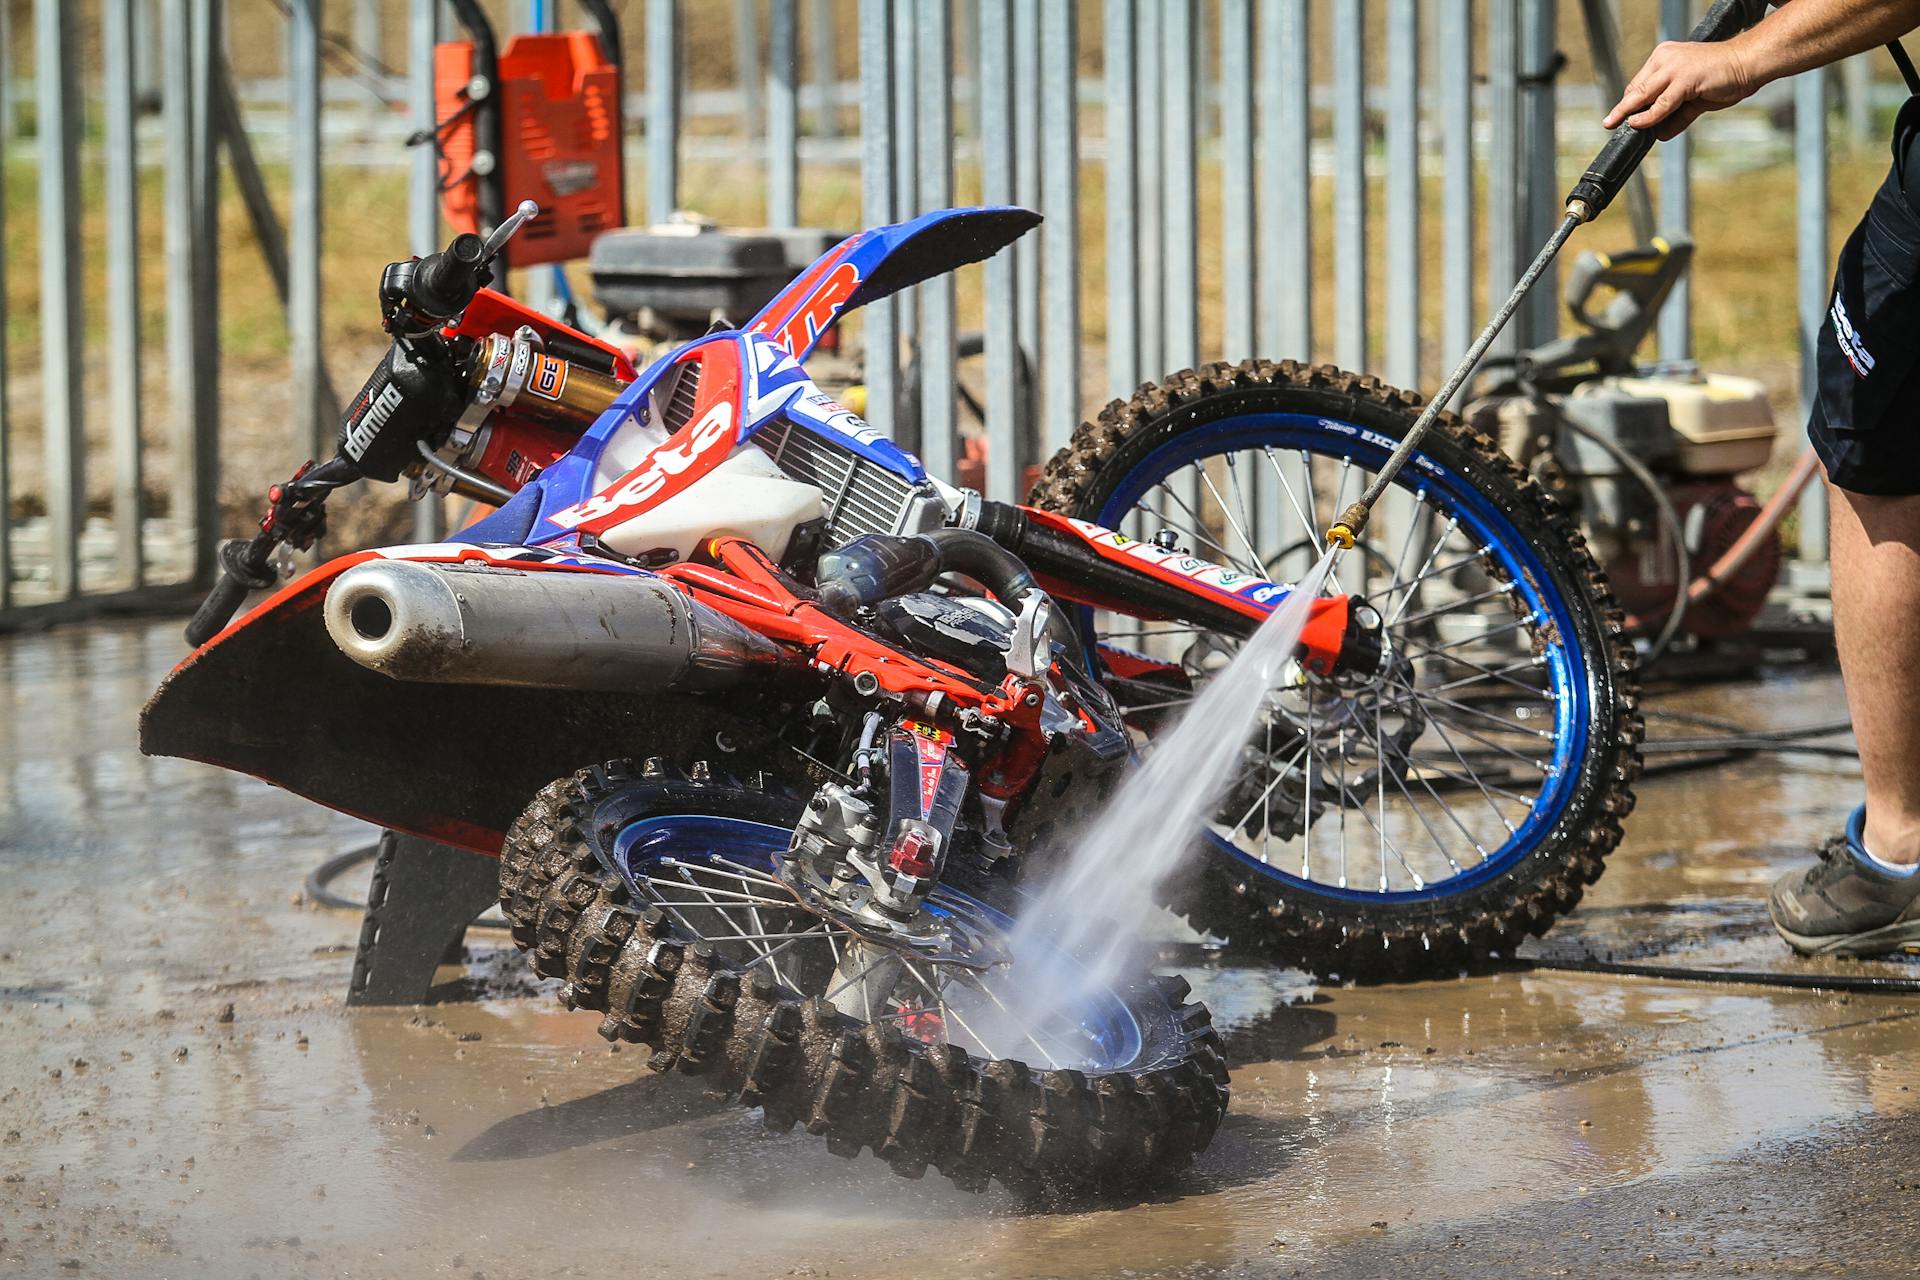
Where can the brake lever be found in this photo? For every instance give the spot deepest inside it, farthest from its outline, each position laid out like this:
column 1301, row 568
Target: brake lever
column 527, row 211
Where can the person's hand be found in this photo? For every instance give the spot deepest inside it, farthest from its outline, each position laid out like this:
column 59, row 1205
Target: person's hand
column 1680, row 82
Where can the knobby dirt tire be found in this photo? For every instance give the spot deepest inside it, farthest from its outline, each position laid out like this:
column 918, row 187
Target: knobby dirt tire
column 1321, row 933
column 1041, row 1132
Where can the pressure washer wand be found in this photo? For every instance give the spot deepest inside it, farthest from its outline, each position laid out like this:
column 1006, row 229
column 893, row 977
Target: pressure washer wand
column 1594, row 192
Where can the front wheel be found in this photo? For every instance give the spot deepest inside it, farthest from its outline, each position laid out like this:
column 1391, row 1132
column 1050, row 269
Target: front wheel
column 655, row 895
column 1457, row 799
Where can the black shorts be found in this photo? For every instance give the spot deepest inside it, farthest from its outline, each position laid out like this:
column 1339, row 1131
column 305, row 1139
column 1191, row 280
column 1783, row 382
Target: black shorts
column 1865, row 422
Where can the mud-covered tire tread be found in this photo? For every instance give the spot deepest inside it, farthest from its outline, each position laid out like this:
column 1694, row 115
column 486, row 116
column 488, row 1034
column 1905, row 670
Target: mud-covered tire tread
column 861, row 1087
column 1441, row 936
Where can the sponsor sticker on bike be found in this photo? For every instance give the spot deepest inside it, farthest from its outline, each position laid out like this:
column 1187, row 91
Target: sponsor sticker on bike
column 549, row 377
column 1189, row 566
column 666, row 469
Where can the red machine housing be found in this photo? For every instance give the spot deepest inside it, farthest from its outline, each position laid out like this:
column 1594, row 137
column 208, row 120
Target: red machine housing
column 559, row 141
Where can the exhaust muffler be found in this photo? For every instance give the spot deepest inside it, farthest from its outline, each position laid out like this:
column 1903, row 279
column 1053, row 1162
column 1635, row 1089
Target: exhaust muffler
column 543, row 629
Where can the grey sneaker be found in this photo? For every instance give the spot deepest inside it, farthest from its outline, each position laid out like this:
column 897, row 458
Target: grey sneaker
column 1842, row 905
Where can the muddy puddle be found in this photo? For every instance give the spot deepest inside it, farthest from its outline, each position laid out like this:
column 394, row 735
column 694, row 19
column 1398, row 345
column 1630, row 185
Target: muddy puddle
column 183, row 1094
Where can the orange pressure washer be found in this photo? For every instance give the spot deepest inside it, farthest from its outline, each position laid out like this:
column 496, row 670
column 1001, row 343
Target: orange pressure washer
column 539, row 121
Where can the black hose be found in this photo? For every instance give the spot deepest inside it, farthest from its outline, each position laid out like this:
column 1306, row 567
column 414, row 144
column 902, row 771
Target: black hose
column 1862, row 984
column 339, row 864
column 1683, row 561
column 980, row 557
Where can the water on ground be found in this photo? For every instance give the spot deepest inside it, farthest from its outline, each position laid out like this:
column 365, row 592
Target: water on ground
column 1515, row 1124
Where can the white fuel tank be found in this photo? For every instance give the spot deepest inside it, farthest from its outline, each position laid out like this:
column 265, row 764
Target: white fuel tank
column 746, row 496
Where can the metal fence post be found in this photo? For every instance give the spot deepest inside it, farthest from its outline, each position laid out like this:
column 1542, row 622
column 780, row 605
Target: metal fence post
column 1236, row 176
column 1455, row 73
column 9, row 123
column 1503, row 159
column 423, row 213
column 61, row 354
column 1150, row 189
column 878, row 327
column 783, row 125
column 935, row 121
column 663, row 109
column 1813, row 271
column 1123, row 232
column 1350, row 185
column 1539, row 38
column 1060, row 200
column 312, row 432
column 123, row 287
column 746, row 64
column 906, row 203
column 1180, row 295
column 1007, row 455
column 1403, row 193
column 6, row 427
column 1286, row 180
column 369, row 36
column 182, row 253
column 1028, row 252
column 826, row 70
column 1676, row 201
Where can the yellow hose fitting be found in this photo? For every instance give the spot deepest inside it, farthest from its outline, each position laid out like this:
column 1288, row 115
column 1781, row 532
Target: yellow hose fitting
column 1342, row 532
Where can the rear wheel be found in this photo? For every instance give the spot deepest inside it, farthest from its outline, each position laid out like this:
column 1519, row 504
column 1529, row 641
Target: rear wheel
column 654, row 895
column 1457, row 799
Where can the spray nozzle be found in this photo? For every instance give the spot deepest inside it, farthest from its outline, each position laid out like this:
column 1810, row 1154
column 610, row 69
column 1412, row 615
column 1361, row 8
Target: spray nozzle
column 1342, row 532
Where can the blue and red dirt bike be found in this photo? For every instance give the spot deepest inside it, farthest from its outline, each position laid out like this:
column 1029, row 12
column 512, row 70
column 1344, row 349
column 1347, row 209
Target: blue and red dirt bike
column 814, row 714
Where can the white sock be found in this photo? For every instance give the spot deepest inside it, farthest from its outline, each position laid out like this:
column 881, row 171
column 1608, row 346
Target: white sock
column 1901, row 869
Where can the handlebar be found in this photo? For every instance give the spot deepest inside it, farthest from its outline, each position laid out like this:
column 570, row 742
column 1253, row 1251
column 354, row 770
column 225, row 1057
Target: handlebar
column 421, row 294
column 445, row 282
column 296, row 517
column 244, row 566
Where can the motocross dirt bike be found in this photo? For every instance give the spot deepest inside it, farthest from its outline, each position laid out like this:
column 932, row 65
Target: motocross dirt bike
column 865, row 701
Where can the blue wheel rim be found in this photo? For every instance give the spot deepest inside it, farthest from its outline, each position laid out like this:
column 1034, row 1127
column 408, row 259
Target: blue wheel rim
column 1452, row 495
column 1111, row 1034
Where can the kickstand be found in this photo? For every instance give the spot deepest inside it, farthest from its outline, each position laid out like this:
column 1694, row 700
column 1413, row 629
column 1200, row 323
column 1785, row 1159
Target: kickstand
column 422, row 898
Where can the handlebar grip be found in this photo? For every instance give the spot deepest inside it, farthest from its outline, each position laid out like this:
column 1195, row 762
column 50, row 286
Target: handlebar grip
column 242, row 569
column 1629, row 146
column 217, row 610
column 445, row 282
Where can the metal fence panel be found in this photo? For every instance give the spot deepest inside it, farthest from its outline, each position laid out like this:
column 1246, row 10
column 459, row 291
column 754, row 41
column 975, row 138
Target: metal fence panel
column 1172, row 114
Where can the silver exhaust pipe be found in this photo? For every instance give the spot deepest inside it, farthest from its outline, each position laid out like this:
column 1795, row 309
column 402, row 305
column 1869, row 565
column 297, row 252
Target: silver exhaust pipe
column 450, row 624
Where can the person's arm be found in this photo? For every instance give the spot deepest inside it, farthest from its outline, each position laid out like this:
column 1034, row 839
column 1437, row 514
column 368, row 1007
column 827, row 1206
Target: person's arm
column 1682, row 81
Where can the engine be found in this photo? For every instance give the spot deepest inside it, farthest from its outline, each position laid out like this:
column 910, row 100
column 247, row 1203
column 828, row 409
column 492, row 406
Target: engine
column 1697, row 435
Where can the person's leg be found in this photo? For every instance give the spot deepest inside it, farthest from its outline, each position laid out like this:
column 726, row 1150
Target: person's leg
column 1875, row 548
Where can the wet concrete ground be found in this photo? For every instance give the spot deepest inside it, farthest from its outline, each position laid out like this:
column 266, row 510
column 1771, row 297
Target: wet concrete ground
column 1512, row 1124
